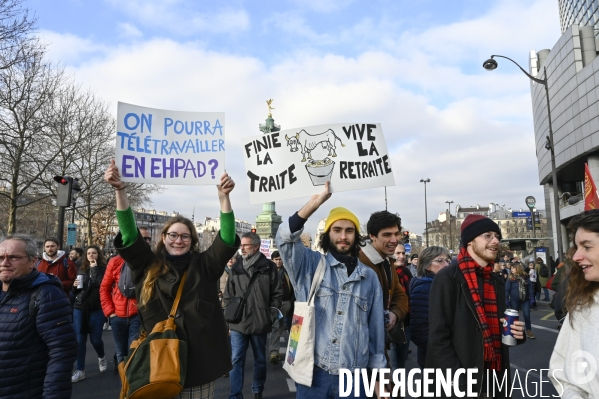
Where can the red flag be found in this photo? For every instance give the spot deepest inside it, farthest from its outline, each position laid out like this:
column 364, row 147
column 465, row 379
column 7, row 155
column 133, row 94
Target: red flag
column 591, row 201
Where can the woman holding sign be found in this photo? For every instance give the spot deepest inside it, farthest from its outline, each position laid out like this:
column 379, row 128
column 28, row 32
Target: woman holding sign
column 156, row 274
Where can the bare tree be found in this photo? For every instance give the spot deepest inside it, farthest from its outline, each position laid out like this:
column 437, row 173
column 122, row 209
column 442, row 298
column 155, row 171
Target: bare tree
column 16, row 26
column 26, row 90
column 88, row 139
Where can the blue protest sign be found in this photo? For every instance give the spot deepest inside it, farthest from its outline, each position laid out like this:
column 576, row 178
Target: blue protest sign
column 169, row 147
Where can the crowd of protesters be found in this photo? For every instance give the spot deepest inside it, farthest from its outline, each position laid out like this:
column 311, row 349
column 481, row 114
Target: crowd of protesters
column 370, row 300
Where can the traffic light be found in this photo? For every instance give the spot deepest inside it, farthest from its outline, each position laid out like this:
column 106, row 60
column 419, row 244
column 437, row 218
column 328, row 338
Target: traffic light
column 75, row 188
column 406, row 237
column 253, row 230
column 63, row 193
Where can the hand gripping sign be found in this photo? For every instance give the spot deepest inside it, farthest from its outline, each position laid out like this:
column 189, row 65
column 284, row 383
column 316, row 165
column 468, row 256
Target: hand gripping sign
column 296, row 162
column 169, row 147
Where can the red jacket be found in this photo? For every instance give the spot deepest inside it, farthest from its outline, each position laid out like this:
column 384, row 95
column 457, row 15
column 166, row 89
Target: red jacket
column 66, row 275
column 113, row 301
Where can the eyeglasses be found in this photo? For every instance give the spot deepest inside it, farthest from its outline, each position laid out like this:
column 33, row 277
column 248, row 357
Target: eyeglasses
column 175, row 236
column 11, row 258
column 489, row 237
column 442, row 260
column 246, row 245
column 149, row 239
column 400, row 253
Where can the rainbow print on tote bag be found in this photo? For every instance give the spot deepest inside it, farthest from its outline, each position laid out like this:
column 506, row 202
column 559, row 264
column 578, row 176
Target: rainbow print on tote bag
column 299, row 359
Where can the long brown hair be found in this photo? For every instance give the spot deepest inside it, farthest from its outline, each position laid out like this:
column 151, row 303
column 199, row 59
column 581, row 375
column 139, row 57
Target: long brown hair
column 100, row 261
column 580, row 293
column 519, row 271
column 160, row 266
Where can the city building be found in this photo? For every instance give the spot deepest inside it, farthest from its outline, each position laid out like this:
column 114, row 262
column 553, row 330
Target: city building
column 319, row 232
column 515, row 225
column 442, row 234
column 415, row 240
column 104, row 230
column 213, row 224
column 572, row 69
column 578, row 12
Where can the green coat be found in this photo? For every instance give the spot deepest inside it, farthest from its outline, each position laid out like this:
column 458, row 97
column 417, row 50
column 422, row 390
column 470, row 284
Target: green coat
column 199, row 318
column 559, row 275
column 542, row 280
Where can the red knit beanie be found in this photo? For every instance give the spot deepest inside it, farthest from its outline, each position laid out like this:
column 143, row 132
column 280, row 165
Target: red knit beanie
column 475, row 225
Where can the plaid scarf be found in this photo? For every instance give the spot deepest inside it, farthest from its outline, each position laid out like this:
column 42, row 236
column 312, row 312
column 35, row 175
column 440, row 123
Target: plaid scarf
column 404, row 278
column 486, row 310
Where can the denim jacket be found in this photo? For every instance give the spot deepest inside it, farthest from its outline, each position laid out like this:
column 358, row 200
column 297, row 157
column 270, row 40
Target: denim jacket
column 349, row 310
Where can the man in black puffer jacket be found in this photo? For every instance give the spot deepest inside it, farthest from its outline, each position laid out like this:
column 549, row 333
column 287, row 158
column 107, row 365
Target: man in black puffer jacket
column 37, row 340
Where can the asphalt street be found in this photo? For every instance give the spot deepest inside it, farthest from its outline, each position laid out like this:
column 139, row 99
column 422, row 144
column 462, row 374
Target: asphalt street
column 527, row 361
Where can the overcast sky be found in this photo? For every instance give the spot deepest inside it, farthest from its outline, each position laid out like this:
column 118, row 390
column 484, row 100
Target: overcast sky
column 413, row 66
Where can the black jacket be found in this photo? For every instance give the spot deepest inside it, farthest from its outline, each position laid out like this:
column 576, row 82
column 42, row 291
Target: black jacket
column 199, row 318
column 38, row 348
column 455, row 336
column 266, row 294
column 90, row 294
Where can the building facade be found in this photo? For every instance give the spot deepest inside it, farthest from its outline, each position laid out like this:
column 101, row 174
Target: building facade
column 572, row 69
column 515, row 225
column 578, row 12
column 213, row 224
column 104, row 231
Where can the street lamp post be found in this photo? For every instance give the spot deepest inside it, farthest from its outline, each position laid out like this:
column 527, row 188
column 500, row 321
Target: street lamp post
column 450, row 237
column 490, row 65
column 425, row 209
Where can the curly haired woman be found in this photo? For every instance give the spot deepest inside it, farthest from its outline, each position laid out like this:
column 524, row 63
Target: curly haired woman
column 574, row 360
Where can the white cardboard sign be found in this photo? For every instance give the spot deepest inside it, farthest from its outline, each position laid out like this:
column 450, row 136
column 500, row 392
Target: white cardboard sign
column 297, row 162
column 169, row 147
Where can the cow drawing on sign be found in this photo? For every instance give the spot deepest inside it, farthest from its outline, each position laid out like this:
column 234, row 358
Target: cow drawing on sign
column 306, row 142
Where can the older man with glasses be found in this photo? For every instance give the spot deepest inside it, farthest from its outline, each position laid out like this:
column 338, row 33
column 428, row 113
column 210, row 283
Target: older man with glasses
column 37, row 339
column 262, row 304
column 467, row 302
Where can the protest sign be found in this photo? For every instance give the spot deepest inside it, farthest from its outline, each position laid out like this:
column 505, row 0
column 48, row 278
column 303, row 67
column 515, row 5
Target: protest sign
column 297, row 162
column 265, row 247
column 169, row 147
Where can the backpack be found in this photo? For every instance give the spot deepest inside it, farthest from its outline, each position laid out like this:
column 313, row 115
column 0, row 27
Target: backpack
column 33, row 304
column 543, row 270
column 125, row 283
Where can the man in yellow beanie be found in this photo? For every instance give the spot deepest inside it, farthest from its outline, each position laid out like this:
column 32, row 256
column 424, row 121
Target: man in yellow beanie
column 349, row 331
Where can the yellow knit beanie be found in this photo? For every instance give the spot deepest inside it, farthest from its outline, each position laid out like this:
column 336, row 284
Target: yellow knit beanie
column 341, row 213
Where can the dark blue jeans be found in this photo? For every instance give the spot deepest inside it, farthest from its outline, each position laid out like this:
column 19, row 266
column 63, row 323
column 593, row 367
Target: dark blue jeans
column 517, row 304
column 325, row 386
column 239, row 346
column 96, row 323
column 124, row 330
column 546, row 292
column 401, row 351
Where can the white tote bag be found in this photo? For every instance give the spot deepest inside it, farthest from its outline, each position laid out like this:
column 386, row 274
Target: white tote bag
column 299, row 358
